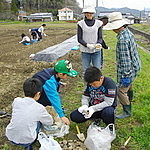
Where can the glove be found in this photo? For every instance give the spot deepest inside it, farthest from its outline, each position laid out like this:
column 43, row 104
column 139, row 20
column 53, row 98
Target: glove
column 125, row 81
column 82, row 108
column 88, row 112
column 98, row 46
column 91, row 46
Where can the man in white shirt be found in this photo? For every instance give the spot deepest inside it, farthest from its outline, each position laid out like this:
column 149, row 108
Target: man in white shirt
column 27, row 115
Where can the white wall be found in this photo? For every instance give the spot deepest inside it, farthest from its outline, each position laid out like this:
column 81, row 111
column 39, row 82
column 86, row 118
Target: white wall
column 65, row 15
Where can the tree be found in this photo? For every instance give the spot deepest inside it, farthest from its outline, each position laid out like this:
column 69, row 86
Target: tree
column 14, row 6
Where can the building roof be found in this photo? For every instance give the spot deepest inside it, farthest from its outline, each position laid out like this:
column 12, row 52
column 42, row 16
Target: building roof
column 41, row 14
column 65, row 9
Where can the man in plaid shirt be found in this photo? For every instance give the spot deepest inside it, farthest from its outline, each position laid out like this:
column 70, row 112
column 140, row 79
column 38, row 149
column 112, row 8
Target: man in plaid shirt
column 128, row 62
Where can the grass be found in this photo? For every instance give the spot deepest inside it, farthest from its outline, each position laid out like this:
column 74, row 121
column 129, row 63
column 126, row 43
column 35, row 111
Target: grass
column 137, row 126
column 142, row 27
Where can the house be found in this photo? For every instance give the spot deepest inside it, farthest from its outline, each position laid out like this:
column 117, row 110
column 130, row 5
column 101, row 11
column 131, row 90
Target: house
column 65, row 14
column 39, row 17
column 21, row 14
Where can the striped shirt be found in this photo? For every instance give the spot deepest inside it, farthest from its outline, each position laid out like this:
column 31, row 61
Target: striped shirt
column 128, row 62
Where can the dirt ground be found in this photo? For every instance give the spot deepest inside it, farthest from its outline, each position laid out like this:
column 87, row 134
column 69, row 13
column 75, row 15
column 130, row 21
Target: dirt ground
column 15, row 65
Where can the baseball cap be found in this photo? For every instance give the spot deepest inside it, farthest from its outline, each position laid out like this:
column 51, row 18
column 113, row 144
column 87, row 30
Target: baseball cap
column 64, row 66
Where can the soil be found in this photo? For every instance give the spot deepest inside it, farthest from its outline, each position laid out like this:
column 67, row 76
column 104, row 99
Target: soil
column 15, row 65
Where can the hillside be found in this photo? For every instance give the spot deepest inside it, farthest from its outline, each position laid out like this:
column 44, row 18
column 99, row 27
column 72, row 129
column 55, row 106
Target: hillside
column 134, row 12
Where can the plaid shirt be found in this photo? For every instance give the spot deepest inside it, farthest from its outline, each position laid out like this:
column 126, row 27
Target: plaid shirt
column 128, row 62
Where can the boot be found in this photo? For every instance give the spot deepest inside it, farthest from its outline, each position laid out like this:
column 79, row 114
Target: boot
column 28, row 147
column 126, row 112
column 130, row 95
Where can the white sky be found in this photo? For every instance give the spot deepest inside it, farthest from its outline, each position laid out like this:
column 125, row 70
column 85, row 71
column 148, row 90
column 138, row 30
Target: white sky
column 133, row 4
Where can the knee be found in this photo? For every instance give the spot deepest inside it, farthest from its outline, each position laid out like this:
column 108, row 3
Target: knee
column 77, row 117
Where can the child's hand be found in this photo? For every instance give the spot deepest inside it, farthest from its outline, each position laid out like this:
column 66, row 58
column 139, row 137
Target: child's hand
column 82, row 108
column 65, row 120
column 89, row 112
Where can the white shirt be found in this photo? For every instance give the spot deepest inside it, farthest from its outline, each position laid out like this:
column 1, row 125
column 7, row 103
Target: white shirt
column 41, row 29
column 25, row 115
column 25, row 38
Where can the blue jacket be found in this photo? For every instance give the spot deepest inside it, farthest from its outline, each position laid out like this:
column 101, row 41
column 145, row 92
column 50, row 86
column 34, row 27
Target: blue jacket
column 51, row 86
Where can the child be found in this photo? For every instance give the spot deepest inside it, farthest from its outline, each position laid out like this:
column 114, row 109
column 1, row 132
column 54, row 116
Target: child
column 50, row 78
column 25, row 39
column 39, row 31
column 27, row 115
column 98, row 100
column 34, row 36
column 104, row 19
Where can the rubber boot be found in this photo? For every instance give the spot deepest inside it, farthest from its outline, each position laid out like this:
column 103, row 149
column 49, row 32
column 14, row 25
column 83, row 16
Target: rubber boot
column 130, row 95
column 126, row 112
column 28, row 147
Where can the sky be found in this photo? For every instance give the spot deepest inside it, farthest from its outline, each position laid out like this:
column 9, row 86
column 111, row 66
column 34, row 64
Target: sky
column 133, row 4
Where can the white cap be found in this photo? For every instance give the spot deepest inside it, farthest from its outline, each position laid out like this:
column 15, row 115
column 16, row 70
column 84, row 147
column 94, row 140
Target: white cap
column 89, row 9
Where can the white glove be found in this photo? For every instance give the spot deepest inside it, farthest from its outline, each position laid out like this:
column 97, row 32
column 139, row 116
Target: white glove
column 82, row 108
column 91, row 46
column 98, row 46
column 88, row 112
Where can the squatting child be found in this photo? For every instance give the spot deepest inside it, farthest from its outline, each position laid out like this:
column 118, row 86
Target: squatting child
column 27, row 115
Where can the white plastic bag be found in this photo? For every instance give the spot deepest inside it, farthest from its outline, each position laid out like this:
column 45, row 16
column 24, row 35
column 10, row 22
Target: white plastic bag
column 56, row 131
column 99, row 138
column 48, row 143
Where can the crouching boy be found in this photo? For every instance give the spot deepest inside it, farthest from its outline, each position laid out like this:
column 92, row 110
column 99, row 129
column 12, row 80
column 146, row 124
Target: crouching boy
column 27, row 115
column 98, row 100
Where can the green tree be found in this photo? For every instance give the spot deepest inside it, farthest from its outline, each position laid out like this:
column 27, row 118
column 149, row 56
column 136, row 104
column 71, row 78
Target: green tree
column 14, row 6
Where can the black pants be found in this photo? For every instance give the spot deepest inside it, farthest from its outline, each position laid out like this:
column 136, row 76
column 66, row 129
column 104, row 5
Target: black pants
column 107, row 115
column 44, row 100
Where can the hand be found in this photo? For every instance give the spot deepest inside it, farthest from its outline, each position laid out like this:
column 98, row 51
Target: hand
column 88, row 112
column 125, row 81
column 82, row 108
column 98, row 46
column 91, row 46
column 65, row 120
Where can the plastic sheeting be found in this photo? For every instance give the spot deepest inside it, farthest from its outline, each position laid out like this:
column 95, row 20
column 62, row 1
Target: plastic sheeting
column 54, row 52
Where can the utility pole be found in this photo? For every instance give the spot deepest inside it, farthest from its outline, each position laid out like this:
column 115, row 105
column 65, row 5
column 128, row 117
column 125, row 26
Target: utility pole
column 83, row 3
column 97, row 8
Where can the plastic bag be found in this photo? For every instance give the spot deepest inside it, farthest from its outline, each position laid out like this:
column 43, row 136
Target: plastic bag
column 48, row 142
column 56, row 130
column 99, row 138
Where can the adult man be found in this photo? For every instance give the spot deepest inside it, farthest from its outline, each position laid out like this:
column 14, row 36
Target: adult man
column 128, row 63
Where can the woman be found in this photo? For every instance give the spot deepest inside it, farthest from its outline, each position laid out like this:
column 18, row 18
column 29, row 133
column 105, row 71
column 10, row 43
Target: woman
column 90, row 38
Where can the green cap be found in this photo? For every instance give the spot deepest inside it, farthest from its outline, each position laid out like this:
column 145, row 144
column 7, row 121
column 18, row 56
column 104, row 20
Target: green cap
column 64, row 66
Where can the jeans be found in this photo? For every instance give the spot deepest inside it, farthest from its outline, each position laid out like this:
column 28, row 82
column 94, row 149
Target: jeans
column 91, row 58
column 107, row 115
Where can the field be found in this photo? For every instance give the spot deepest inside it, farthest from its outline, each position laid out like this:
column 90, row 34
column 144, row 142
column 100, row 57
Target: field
column 15, row 67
